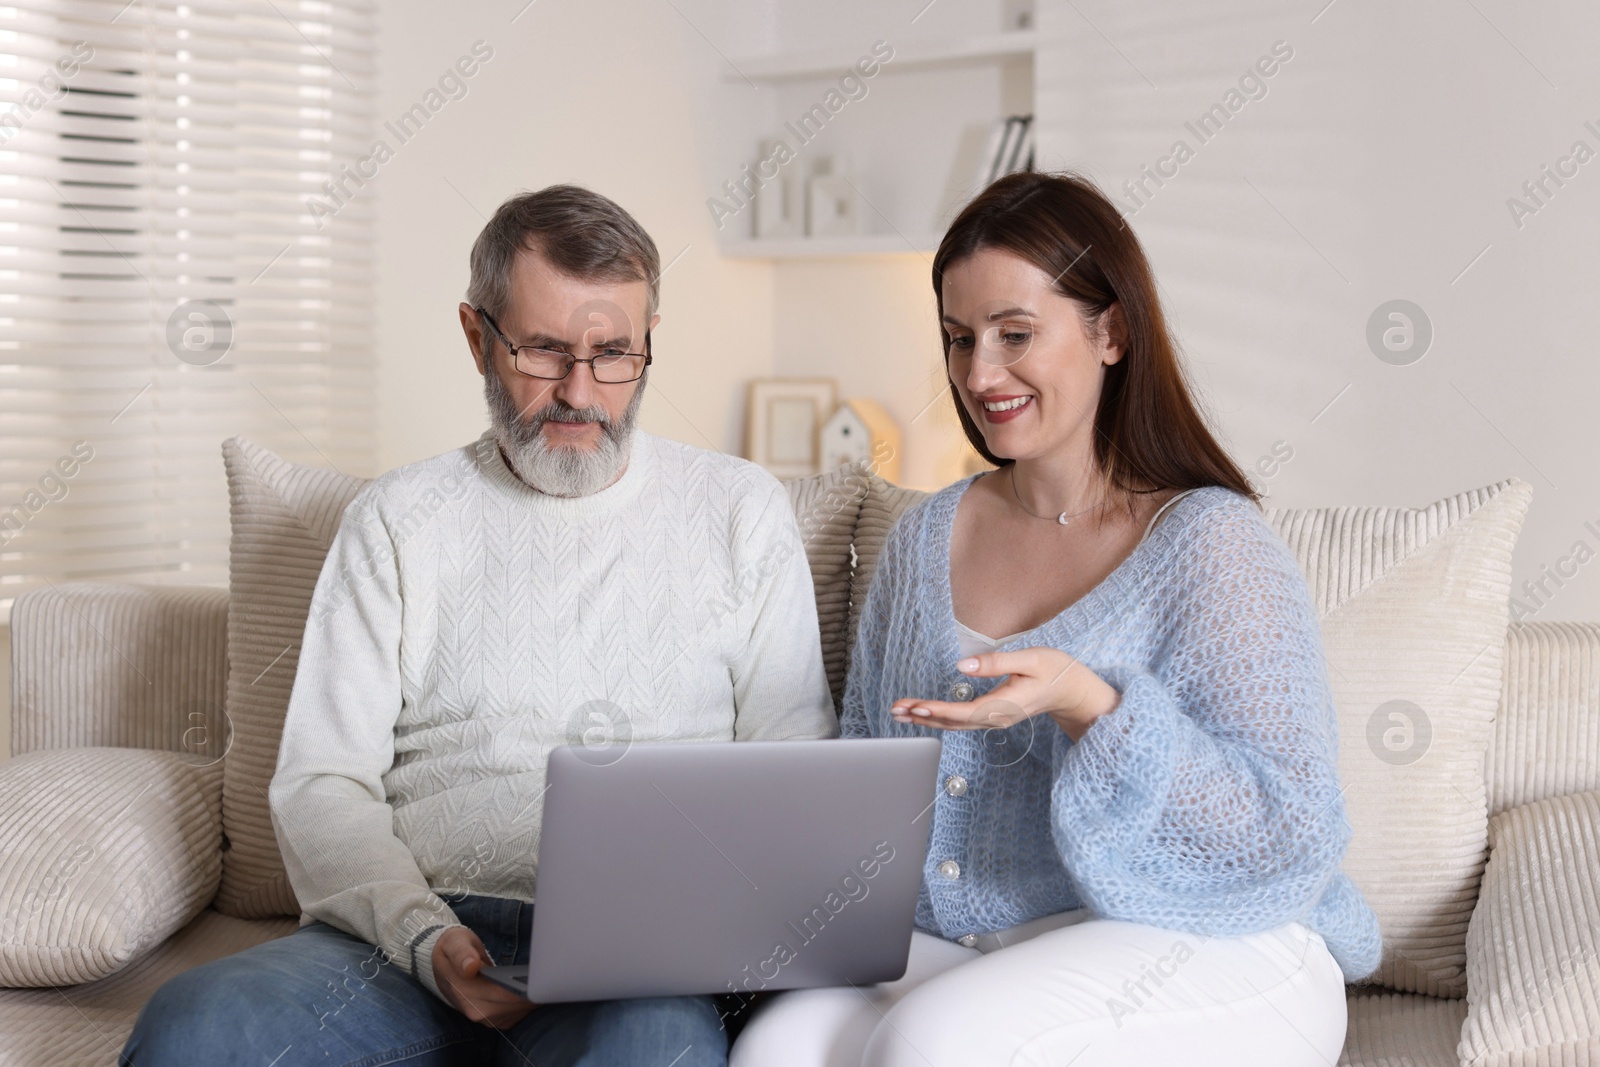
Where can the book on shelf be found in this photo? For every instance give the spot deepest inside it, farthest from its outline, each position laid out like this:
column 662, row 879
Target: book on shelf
column 1008, row 151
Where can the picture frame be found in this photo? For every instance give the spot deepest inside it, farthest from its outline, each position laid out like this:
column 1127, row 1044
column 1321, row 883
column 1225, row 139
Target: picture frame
column 784, row 417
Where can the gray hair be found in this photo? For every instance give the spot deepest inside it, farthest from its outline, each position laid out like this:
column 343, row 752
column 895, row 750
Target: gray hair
column 581, row 233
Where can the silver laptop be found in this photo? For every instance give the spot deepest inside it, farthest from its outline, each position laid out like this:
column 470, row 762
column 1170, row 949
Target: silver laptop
column 729, row 867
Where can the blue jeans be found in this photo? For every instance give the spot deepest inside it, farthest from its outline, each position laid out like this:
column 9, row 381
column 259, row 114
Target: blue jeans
column 321, row 996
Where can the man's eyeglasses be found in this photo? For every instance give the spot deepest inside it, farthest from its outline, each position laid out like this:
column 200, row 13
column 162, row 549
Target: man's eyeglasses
column 610, row 367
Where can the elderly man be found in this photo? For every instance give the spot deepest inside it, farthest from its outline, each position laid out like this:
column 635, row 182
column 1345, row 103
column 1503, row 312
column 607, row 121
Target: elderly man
column 566, row 579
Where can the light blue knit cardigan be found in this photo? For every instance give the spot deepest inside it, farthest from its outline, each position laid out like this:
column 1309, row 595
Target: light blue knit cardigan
column 1207, row 802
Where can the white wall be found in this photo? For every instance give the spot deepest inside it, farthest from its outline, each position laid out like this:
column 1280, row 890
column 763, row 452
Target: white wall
column 607, row 93
column 640, row 114
column 1381, row 161
column 871, row 325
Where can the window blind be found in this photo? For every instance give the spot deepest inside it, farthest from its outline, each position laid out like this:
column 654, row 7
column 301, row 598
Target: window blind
column 163, row 284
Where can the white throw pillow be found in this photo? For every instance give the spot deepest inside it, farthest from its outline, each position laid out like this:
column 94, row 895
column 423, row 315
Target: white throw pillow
column 104, row 854
column 1533, row 952
column 1414, row 607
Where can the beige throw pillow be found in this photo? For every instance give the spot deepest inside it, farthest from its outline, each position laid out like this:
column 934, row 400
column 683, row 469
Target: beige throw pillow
column 885, row 502
column 1414, row 611
column 1533, row 952
column 104, row 854
column 826, row 507
column 284, row 518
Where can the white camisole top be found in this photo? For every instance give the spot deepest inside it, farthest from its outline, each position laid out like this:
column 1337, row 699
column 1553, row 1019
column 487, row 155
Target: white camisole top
column 972, row 643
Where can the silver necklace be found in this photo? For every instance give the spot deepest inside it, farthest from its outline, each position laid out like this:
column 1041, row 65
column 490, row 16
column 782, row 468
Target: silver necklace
column 1064, row 519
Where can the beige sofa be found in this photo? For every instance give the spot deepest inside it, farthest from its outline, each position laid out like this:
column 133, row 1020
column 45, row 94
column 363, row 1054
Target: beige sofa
column 100, row 670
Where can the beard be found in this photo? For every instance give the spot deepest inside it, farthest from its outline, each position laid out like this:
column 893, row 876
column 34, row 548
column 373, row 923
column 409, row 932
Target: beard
column 560, row 470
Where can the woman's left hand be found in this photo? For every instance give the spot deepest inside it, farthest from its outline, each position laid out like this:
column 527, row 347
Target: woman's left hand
column 1042, row 681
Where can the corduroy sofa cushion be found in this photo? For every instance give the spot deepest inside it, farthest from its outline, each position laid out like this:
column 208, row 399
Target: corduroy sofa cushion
column 86, row 1025
column 1401, row 1030
column 1546, row 740
column 104, row 853
column 1533, row 952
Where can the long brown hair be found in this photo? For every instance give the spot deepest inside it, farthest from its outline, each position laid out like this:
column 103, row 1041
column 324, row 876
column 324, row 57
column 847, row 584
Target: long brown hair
column 1148, row 433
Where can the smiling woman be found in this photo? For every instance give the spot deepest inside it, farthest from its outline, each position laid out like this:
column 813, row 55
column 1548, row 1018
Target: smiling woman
column 1147, row 431
column 1142, row 773
column 1065, row 376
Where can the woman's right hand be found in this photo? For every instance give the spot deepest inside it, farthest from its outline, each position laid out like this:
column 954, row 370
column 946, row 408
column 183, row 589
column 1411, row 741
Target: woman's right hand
column 1038, row 681
column 458, row 957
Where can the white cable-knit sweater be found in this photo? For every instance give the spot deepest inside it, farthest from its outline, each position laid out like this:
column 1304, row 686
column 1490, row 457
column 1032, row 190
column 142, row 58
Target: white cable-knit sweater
column 464, row 625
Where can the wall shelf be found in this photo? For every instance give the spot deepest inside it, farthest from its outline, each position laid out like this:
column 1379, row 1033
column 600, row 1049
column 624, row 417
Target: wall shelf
column 782, row 66
column 912, row 137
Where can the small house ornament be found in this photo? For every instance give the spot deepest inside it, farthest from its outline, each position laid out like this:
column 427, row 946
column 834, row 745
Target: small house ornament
column 862, row 429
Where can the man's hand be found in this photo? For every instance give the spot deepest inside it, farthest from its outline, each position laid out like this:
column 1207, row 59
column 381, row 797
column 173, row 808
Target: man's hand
column 458, row 956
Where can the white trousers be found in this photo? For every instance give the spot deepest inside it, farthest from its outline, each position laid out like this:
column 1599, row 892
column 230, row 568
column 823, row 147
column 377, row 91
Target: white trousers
column 1094, row 993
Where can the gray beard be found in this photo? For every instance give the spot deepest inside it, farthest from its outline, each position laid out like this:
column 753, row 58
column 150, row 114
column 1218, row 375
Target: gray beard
column 559, row 470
